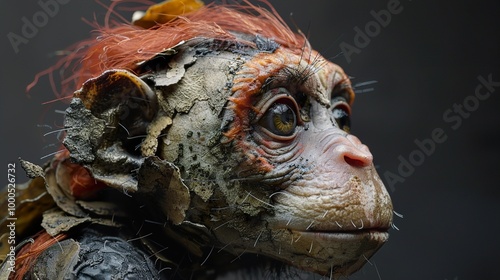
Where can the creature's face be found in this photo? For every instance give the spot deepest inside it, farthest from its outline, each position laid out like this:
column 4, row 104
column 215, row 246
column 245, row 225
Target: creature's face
column 266, row 163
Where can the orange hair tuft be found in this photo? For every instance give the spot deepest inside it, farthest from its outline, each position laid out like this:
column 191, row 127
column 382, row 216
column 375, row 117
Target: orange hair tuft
column 31, row 251
column 122, row 45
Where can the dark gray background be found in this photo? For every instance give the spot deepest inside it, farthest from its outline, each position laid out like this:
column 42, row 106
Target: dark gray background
column 425, row 60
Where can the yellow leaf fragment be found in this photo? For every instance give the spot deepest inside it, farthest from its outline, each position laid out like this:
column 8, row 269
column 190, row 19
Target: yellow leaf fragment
column 165, row 12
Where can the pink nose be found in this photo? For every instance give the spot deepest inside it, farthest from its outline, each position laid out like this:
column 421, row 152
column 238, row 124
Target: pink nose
column 354, row 152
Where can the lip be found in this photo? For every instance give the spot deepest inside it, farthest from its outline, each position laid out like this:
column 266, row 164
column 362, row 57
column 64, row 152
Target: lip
column 346, row 251
column 380, row 235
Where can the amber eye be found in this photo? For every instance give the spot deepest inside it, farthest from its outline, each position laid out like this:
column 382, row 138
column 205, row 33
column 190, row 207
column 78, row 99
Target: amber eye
column 340, row 113
column 279, row 119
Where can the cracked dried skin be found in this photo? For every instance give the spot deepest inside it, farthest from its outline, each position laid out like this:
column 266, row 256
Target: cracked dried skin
column 301, row 193
column 310, row 197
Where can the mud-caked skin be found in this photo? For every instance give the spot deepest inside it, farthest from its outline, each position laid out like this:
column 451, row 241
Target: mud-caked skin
column 259, row 143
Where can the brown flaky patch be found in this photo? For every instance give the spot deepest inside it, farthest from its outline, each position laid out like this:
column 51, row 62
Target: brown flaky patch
column 123, row 45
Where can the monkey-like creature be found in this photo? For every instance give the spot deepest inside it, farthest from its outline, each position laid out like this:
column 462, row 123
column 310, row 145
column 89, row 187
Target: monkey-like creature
column 225, row 137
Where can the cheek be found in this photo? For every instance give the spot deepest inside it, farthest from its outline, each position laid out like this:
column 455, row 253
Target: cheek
column 264, row 158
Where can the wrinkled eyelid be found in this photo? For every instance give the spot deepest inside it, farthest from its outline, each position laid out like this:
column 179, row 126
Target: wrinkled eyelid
column 284, row 97
column 341, row 104
column 340, row 101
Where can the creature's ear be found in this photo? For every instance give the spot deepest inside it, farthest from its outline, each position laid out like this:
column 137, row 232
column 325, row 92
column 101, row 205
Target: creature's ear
column 122, row 99
column 112, row 124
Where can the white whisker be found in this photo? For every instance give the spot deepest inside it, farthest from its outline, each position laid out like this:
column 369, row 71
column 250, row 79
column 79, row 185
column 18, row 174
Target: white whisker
column 56, row 131
column 246, row 197
column 376, row 269
column 140, row 237
column 126, row 130
column 394, row 226
column 367, row 259
column 280, row 192
column 326, row 212
column 244, row 251
column 261, row 201
column 153, row 222
column 298, row 238
column 161, row 270
column 139, row 230
column 137, row 136
column 207, row 256
column 331, row 272
column 24, row 242
column 51, row 154
column 364, row 90
column 362, row 224
column 223, row 224
column 310, row 225
column 58, row 243
column 256, row 240
column 398, row 214
column 221, row 249
column 354, row 225
column 362, row 84
column 157, row 252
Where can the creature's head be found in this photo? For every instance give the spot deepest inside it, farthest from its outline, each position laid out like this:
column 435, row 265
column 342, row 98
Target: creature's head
column 239, row 139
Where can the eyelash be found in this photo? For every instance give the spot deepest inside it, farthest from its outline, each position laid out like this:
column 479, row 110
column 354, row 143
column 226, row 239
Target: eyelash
column 289, row 77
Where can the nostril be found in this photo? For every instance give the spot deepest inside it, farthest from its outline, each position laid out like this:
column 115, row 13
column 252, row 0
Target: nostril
column 348, row 151
column 356, row 162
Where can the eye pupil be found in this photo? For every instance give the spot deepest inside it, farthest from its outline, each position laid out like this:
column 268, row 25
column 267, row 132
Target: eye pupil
column 280, row 119
column 283, row 115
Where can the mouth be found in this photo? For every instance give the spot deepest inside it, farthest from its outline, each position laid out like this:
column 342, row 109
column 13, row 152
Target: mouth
column 331, row 251
column 379, row 235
